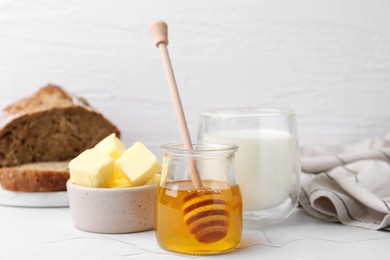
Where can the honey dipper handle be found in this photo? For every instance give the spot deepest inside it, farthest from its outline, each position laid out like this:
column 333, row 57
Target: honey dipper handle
column 159, row 31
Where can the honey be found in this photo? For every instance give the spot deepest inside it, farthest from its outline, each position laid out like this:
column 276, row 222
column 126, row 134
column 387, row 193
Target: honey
column 204, row 221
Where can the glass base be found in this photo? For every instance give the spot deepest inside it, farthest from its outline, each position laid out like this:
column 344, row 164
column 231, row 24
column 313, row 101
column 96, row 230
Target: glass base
column 201, row 253
column 267, row 217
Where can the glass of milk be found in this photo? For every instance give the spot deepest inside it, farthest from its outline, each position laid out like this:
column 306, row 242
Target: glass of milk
column 267, row 163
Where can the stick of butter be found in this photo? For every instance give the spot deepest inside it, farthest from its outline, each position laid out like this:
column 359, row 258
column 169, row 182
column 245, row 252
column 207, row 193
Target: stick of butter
column 112, row 146
column 92, row 168
column 139, row 164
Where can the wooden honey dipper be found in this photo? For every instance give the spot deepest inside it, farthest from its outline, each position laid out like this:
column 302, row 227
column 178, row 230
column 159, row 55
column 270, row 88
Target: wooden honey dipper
column 205, row 212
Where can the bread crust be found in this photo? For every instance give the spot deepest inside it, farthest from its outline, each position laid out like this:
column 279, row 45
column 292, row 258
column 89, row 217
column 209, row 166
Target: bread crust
column 50, row 96
column 30, row 178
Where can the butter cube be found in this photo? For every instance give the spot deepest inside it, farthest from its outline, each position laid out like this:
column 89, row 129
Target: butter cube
column 120, row 180
column 139, row 164
column 154, row 180
column 112, row 146
column 92, row 168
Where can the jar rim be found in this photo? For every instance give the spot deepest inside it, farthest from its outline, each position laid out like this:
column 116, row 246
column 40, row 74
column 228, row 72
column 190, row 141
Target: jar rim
column 200, row 149
column 249, row 112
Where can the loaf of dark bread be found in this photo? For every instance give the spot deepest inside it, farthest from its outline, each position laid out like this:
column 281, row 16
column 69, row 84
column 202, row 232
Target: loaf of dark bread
column 51, row 125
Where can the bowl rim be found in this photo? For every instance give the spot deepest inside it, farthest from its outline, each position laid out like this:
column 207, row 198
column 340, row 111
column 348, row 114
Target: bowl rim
column 72, row 185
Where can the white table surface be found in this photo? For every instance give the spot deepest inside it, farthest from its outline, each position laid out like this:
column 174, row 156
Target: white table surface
column 48, row 233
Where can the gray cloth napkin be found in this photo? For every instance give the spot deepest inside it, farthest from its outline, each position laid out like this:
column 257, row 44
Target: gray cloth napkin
column 348, row 184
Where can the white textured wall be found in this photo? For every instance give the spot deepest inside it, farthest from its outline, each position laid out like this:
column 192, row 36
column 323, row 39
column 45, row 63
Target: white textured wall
column 328, row 59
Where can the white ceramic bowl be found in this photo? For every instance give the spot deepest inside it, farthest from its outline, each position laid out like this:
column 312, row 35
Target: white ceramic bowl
column 112, row 210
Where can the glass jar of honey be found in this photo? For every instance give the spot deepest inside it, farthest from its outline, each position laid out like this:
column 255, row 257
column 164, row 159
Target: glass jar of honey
column 198, row 220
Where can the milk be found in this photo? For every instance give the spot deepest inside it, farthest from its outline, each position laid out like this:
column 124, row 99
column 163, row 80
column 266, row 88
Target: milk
column 264, row 165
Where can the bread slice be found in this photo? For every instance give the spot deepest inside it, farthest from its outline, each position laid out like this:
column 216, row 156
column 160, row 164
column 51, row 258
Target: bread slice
column 32, row 177
column 49, row 126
